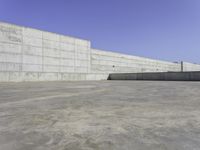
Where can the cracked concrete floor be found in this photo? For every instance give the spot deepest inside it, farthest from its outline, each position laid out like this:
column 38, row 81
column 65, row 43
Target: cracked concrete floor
column 100, row 115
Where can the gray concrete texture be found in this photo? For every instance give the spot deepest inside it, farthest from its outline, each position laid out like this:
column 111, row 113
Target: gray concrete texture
column 32, row 55
column 163, row 76
column 100, row 115
column 190, row 67
column 110, row 62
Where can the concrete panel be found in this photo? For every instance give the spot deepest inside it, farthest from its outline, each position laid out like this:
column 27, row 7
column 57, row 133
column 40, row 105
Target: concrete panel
column 51, row 61
column 82, row 56
column 166, row 76
column 32, row 68
column 10, row 48
column 82, row 77
column 32, row 50
column 51, row 44
column 51, row 68
column 10, row 67
column 10, row 38
column 10, row 34
column 66, row 69
column 15, row 76
column 48, row 76
column 156, row 76
column 67, row 62
column 81, row 42
column 51, row 52
column 67, row 55
column 81, row 70
column 194, row 76
column 32, row 41
column 31, row 59
column 65, row 76
column 67, row 47
column 51, row 36
column 81, row 63
column 101, row 76
column 67, row 40
column 82, row 49
column 10, row 57
column 4, row 76
column 190, row 66
column 28, row 32
column 73, row 77
column 30, row 76
column 91, row 77
column 7, row 27
column 173, row 76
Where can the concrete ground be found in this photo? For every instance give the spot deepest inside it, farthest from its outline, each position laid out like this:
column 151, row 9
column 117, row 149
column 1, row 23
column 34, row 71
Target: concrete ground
column 100, row 115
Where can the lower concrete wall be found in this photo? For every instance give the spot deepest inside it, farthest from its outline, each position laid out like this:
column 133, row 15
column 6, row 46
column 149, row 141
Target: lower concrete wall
column 36, row 76
column 164, row 76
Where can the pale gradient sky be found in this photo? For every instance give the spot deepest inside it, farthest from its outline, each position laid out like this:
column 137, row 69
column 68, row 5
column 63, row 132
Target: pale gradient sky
column 160, row 29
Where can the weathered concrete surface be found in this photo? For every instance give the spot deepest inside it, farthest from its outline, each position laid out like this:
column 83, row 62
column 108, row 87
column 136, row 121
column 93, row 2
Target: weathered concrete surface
column 27, row 53
column 106, row 115
column 190, row 66
column 33, row 55
column 38, row 76
column 162, row 76
column 110, row 62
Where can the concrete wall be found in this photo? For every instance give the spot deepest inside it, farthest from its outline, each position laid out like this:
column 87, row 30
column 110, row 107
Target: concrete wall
column 32, row 55
column 29, row 54
column 162, row 76
column 110, row 62
column 190, row 66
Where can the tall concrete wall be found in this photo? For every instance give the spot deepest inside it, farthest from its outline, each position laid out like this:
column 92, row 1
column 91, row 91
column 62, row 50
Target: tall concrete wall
column 32, row 55
column 110, row 62
column 29, row 54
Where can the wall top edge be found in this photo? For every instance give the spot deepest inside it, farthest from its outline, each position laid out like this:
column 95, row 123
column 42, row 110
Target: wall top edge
column 191, row 63
column 139, row 57
column 21, row 26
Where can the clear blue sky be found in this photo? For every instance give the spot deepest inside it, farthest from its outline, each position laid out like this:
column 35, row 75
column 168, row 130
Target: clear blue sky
column 161, row 29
